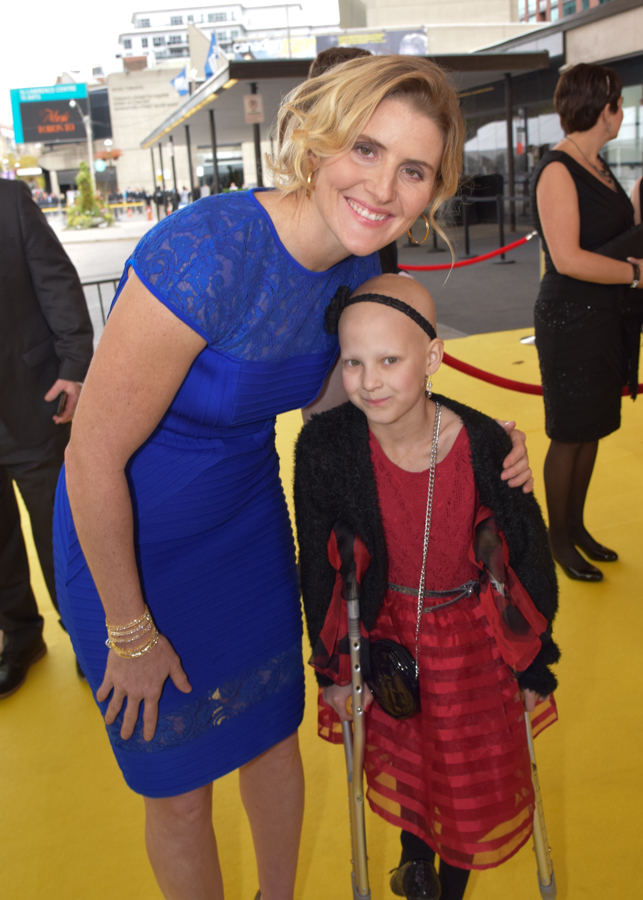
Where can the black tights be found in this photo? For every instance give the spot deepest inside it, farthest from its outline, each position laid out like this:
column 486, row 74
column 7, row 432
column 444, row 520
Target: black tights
column 452, row 879
column 568, row 470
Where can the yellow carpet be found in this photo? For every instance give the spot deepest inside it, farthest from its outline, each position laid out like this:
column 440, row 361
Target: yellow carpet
column 70, row 829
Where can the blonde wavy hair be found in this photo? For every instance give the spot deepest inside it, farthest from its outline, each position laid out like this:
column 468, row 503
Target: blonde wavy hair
column 326, row 115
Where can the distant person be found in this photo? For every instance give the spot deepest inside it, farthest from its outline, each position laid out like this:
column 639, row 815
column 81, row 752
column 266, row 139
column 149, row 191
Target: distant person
column 589, row 308
column 334, row 56
column 45, row 351
column 159, row 201
column 205, row 190
column 184, row 197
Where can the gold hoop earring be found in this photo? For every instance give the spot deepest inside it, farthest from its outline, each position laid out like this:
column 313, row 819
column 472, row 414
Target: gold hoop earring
column 428, row 385
column 309, row 182
column 426, row 232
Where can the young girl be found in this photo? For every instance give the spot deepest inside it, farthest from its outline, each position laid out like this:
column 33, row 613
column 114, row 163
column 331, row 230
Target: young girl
column 394, row 463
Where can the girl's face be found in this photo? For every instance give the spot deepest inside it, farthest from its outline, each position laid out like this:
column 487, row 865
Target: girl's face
column 385, row 358
column 372, row 194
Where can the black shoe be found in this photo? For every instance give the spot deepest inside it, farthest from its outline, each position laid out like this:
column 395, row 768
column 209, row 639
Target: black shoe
column 587, row 573
column 416, row 880
column 599, row 553
column 14, row 666
column 80, row 672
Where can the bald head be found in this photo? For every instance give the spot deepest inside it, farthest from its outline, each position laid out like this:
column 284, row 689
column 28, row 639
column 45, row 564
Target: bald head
column 405, row 289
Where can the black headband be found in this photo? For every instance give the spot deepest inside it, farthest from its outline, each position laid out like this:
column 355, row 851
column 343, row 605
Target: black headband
column 343, row 298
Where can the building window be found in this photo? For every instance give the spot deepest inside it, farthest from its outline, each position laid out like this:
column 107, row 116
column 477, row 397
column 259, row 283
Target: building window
column 97, row 71
column 222, row 35
column 175, row 39
column 569, row 8
column 158, row 41
column 190, row 18
column 178, row 51
column 127, row 44
column 234, row 34
column 143, row 42
column 143, row 23
column 176, row 20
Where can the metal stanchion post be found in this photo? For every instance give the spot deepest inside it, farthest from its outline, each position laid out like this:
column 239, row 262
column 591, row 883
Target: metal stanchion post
column 500, row 206
column 465, row 225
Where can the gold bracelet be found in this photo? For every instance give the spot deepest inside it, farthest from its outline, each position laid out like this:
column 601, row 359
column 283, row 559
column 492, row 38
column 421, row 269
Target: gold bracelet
column 136, row 630
column 130, row 626
column 134, row 653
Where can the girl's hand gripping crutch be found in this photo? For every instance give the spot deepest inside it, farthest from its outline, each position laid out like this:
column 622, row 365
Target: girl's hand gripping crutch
column 354, row 737
column 546, row 877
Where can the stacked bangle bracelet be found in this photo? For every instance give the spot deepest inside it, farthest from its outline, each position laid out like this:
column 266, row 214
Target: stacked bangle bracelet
column 119, row 635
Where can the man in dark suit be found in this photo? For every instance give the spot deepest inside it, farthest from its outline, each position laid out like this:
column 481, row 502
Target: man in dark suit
column 46, row 344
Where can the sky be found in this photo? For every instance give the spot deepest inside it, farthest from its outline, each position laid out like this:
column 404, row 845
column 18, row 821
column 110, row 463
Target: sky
column 56, row 36
column 43, row 39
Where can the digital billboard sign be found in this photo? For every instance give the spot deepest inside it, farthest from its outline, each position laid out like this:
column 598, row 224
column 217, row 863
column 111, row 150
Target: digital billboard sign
column 43, row 114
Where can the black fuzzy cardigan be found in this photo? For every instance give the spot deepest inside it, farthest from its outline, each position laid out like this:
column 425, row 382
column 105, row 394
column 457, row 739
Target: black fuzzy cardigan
column 334, row 479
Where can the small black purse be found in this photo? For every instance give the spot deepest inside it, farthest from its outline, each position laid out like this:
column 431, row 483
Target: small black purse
column 393, row 679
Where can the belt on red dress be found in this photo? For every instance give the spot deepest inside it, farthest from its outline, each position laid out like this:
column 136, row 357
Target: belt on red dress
column 464, row 590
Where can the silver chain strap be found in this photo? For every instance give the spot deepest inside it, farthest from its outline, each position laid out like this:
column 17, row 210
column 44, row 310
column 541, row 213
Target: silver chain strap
column 427, row 527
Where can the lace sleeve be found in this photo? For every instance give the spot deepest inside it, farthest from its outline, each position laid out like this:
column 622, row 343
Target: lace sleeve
column 188, row 261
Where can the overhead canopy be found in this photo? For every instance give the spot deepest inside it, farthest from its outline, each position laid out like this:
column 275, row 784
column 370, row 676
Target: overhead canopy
column 275, row 78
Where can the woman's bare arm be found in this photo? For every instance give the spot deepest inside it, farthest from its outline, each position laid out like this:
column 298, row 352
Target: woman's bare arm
column 560, row 218
column 141, row 360
column 636, row 201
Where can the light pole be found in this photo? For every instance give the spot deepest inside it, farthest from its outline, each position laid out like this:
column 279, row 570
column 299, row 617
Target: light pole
column 87, row 122
column 287, row 6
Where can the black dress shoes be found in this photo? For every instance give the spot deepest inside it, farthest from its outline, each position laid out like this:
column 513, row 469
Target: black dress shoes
column 600, row 553
column 14, row 665
column 416, row 880
column 587, row 573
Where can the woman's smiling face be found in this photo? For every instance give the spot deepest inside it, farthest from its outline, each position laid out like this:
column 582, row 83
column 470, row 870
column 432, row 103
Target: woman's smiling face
column 372, row 194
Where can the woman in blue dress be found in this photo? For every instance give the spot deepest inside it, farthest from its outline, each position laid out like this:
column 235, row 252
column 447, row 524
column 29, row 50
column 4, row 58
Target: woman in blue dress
column 172, row 532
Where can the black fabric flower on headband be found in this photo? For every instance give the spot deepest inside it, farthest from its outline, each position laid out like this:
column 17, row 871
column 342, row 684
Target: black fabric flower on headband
column 343, row 298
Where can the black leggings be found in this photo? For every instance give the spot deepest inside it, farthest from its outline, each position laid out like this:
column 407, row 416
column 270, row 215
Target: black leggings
column 452, row 879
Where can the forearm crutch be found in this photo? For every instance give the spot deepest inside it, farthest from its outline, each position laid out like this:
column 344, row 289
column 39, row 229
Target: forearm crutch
column 354, row 737
column 546, row 877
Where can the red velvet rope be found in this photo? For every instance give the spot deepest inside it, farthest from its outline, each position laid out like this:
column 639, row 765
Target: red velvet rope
column 522, row 387
column 470, row 262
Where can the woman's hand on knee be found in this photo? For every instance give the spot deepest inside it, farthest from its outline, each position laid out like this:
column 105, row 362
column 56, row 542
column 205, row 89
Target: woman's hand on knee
column 337, row 697
column 516, row 466
column 140, row 680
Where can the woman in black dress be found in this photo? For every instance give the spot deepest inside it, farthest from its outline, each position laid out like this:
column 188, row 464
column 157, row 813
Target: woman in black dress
column 588, row 318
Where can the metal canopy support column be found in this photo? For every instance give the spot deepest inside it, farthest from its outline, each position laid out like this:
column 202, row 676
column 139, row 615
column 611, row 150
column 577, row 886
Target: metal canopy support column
column 257, row 137
column 216, row 188
column 191, row 173
column 162, row 172
column 173, row 162
column 153, row 170
column 511, row 180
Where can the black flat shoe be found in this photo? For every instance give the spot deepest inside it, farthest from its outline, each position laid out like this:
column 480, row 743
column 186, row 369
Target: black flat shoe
column 416, row 880
column 15, row 665
column 591, row 573
column 602, row 554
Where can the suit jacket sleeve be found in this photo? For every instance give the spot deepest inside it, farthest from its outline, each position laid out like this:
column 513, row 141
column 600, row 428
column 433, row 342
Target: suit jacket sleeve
column 58, row 289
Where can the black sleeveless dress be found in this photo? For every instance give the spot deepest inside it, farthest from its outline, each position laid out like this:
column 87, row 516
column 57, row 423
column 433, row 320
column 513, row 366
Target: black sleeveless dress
column 587, row 335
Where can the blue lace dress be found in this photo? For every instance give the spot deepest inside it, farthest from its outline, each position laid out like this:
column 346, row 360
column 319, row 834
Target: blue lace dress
column 214, row 542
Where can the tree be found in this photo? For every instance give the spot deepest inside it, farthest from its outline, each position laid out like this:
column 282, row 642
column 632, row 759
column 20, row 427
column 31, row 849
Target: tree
column 88, row 210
